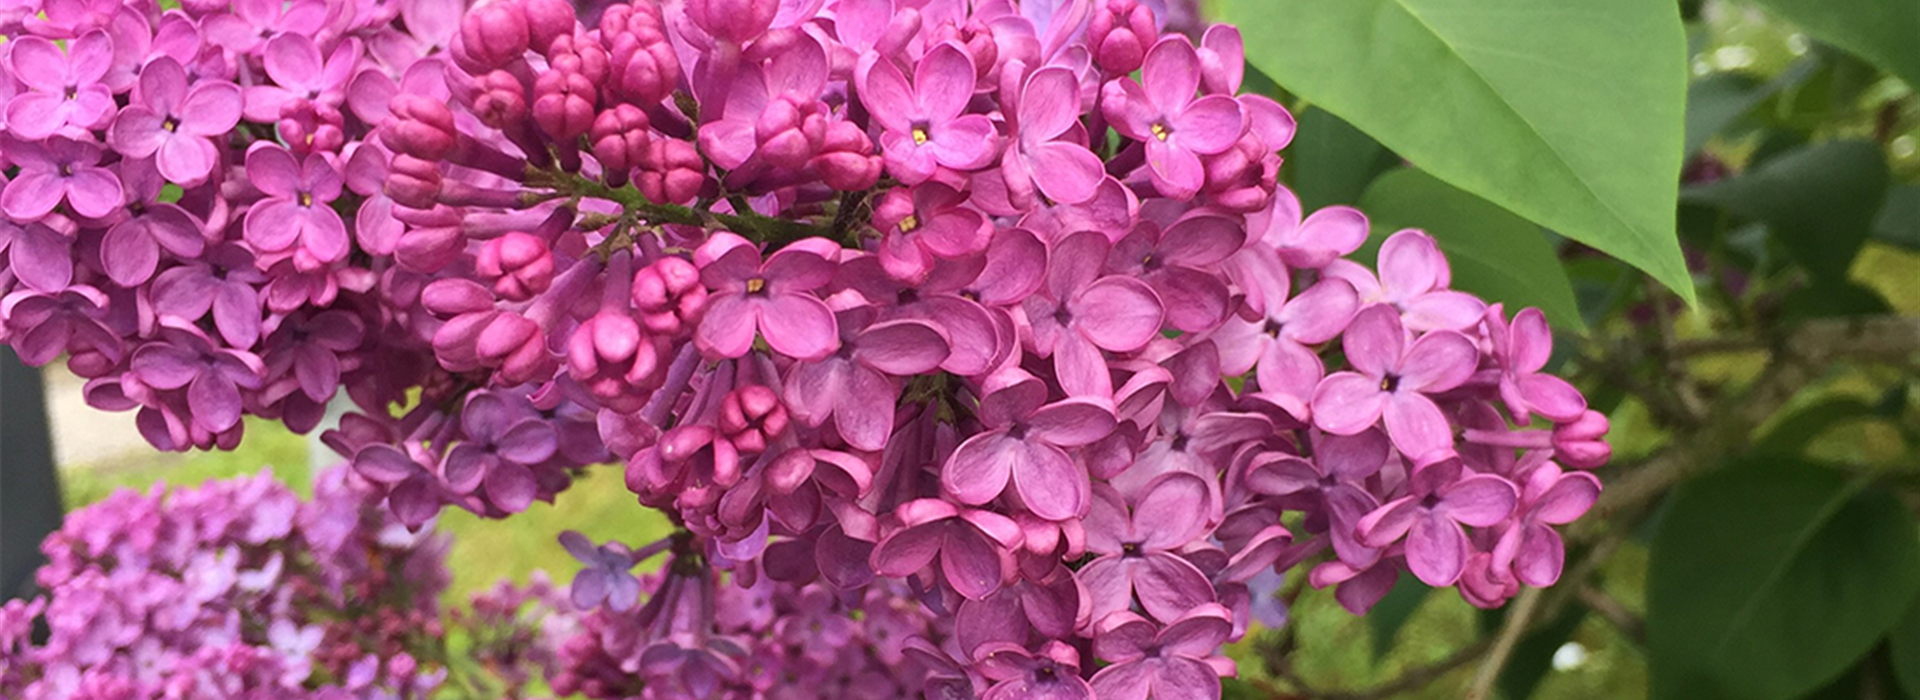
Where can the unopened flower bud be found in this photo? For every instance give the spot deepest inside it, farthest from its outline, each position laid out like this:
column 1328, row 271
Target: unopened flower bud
column 547, row 20
column 413, row 182
column 672, row 172
column 846, row 161
column 1119, row 33
column 422, row 127
column 1581, row 444
column 500, row 99
column 519, row 263
column 620, row 136
column 494, row 34
column 733, row 21
column 580, row 54
column 751, row 417
column 790, row 131
column 645, row 68
column 563, row 104
column 669, row 295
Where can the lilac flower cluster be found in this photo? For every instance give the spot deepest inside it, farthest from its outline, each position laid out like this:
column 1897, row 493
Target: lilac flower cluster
column 771, row 639
column 235, row 589
column 994, row 302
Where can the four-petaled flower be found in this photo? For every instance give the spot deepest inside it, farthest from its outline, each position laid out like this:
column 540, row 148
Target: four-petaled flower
column 1391, row 379
column 1023, row 442
column 174, row 124
column 1161, row 112
column 926, row 124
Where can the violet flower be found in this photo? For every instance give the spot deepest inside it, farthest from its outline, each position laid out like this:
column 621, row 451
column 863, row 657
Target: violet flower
column 1138, row 549
column 925, row 121
column 64, row 88
column 772, row 298
column 1161, row 112
column 175, row 125
column 1430, row 516
column 1392, row 379
column 1023, row 445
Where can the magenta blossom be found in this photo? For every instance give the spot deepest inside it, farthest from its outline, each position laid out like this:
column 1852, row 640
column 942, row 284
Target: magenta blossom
column 212, row 377
column 65, row 91
column 55, row 170
column 856, row 386
column 1082, row 313
column 1024, row 444
column 1414, row 277
column 1181, row 661
column 970, row 545
column 175, row 125
column 1045, row 156
column 925, row 121
column 295, row 220
column 773, row 298
column 504, row 440
column 1522, row 349
column 1393, row 378
column 1431, row 515
column 1138, row 548
column 1161, row 111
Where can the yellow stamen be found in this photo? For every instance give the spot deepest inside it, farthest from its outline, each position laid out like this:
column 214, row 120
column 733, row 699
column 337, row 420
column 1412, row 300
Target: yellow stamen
column 1160, row 131
column 306, row 199
column 920, row 135
column 907, row 225
column 755, row 285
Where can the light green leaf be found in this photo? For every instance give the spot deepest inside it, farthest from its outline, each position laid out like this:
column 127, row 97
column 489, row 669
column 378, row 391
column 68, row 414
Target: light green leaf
column 1567, row 113
column 1499, row 256
column 1392, row 612
column 1769, row 579
column 1881, row 31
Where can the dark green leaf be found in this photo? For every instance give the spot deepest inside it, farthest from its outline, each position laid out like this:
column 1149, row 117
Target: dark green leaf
column 1533, row 656
column 1715, row 101
column 1568, row 114
column 1903, row 649
column 1770, row 578
column 1494, row 254
column 1881, row 31
column 1819, row 201
column 1831, row 300
column 1899, row 219
column 1391, row 613
column 1236, row 689
column 1330, row 162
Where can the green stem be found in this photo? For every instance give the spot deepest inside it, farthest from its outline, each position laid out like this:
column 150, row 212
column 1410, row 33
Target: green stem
column 771, row 231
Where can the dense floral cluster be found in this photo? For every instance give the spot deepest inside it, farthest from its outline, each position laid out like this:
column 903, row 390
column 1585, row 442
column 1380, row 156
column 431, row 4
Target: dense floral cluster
column 996, row 303
column 770, row 639
column 235, row 589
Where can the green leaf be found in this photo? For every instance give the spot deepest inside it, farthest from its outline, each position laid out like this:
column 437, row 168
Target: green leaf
column 1792, row 434
column 1392, row 612
column 1899, row 220
column 1819, row 201
column 1330, row 162
column 1881, row 31
column 1903, row 649
column 1568, row 114
column 1494, row 254
column 1768, row 579
column 1832, row 299
column 1715, row 101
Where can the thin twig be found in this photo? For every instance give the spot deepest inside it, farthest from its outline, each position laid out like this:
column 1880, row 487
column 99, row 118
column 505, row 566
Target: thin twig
column 1519, row 618
column 1616, row 613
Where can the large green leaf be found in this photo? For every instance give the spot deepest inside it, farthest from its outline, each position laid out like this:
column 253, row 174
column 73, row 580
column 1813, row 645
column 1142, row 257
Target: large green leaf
column 1819, row 201
column 1494, row 254
column 1567, row 113
column 1881, row 31
column 1899, row 219
column 1768, row 579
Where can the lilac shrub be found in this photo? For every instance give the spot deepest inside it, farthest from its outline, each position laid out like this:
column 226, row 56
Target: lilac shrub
column 991, row 309
column 234, row 589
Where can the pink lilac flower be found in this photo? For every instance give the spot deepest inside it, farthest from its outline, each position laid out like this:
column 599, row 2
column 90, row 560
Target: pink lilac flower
column 1431, row 515
column 1392, row 379
column 1023, row 446
column 175, row 125
column 55, row 170
column 1161, row 111
column 295, row 220
column 64, row 92
column 925, row 121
